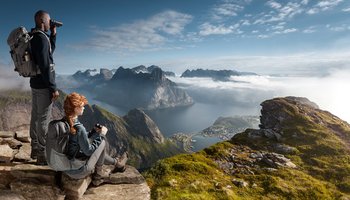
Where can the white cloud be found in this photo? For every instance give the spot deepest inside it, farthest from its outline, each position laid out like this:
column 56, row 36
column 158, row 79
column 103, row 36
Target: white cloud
column 9, row 79
column 289, row 30
column 323, row 6
column 245, row 22
column 304, row 2
column 263, row 36
column 329, row 91
column 346, row 9
column 313, row 11
column 310, row 29
column 284, row 13
column 338, row 28
column 228, row 8
column 304, row 64
column 277, row 27
column 141, row 35
column 209, row 29
column 274, row 4
column 326, row 4
column 342, row 27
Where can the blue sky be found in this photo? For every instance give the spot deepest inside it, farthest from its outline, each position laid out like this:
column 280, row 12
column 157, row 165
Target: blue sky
column 304, row 37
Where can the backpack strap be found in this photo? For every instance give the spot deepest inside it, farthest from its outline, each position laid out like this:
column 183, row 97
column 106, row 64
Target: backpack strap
column 42, row 32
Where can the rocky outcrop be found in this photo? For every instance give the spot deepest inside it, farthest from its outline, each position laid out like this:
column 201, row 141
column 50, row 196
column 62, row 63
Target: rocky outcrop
column 122, row 192
column 275, row 113
column 244, row 160
column 31, row 182
column 21, row 179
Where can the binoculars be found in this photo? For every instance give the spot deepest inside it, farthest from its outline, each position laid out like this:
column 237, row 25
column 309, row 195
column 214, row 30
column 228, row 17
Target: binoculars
column 55, row 23
column 98, row 126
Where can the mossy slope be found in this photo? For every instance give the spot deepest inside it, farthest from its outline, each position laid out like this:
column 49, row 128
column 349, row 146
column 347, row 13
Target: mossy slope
column 319, row 143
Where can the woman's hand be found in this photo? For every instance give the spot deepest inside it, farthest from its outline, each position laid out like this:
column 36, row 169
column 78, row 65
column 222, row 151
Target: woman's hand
column 101, row 129
column 104, row 130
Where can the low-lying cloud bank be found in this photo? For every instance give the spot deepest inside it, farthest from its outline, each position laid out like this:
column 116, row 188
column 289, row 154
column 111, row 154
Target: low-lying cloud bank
column 9, row 79
column 298, row 64
column 331, row 92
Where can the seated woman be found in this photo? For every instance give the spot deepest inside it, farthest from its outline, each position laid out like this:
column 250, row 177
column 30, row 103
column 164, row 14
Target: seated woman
column 89, row 148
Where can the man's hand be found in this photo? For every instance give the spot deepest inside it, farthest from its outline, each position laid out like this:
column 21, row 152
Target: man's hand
column 53, row 30
column 55, row 95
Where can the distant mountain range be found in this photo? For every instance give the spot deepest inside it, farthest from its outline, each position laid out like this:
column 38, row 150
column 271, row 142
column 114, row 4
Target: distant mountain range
column 147, row 88
column 219, row 75
column 143, row 69
column 142, row 90
column 141, row 87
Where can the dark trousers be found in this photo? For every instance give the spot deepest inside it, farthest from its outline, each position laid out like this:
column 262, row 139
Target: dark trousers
column 40, row 117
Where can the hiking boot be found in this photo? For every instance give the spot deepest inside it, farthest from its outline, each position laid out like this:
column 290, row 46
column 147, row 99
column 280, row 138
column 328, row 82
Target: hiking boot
column 120, row 165
column 41, row 159
column 99, row 176
column 34, row 153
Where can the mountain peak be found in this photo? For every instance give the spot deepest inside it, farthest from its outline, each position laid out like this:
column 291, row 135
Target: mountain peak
column 158, row 74
column 140, row 123
column 275, row 111
column 122, row 73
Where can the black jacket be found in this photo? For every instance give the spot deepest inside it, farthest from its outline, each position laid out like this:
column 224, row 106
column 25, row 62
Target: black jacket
column 42, row 56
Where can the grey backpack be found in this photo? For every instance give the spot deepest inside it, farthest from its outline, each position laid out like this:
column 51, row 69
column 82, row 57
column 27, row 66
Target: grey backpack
column 56, row 146
column 19, row 42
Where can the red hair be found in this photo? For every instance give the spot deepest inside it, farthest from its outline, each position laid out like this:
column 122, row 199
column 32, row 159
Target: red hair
column 72, row 101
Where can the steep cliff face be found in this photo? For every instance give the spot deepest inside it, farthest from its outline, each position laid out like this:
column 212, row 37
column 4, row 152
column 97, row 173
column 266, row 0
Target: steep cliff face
column 299, row 152
column 135, row 133
column 16, row 107
column 139, row 122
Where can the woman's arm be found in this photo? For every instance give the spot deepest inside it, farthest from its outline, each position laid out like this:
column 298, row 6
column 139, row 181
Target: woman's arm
column 85, row 145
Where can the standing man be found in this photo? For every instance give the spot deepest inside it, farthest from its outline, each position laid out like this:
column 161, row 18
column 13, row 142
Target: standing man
column 44, row 90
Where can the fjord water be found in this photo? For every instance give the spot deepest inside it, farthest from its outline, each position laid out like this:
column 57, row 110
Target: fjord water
column 188, row 120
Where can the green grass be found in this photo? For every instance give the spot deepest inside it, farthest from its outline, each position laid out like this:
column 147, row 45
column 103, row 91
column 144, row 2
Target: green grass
column 196, row 176
column 322, row 159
